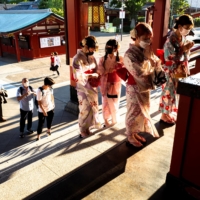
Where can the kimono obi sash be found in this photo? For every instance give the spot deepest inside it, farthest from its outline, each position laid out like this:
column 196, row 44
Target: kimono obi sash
column 126, row 76
column 113, row 77
column 131, row 80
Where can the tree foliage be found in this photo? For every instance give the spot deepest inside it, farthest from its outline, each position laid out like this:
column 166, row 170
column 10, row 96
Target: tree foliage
column 178, row 7
column 55, row 5
column 131, row 6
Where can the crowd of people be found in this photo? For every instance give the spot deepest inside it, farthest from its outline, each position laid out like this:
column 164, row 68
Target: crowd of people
column 136, row 68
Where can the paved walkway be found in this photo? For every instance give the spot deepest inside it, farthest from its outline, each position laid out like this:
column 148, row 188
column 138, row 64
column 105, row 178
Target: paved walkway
column 63, row 166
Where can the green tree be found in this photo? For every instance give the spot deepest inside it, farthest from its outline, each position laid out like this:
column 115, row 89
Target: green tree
column 177, row 8
column 131, row 6
column 55, row 5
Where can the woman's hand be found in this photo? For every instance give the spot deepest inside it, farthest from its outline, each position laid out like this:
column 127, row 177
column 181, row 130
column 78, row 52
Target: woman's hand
column 188, row 46
column 148, row 52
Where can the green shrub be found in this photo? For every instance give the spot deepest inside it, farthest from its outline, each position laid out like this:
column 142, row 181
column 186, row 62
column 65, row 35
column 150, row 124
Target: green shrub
column 141, row 19
column 116, row 22
column 197, row 22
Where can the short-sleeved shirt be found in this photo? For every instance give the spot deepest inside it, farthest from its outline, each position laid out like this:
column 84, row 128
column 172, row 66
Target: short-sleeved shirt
column 45, row 96
column 26, row 103
column 57, row 61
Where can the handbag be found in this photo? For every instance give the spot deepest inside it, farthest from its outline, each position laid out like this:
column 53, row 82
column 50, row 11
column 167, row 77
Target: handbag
column 180, row 71
column 93, row 81
column 123, row 73
column 159, row 78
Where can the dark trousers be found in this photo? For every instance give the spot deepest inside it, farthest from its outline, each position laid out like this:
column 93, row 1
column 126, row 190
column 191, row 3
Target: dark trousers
column 57, row 69
column 1, row 112
column 41, row 119
column 23, row 116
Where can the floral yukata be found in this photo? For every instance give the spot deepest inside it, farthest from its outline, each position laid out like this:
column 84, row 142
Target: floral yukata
column 174, row 56
column 87, row 95
column 138, row 93
column 110, row 103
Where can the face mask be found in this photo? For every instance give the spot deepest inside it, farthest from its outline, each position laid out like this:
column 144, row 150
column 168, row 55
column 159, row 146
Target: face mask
column 144, row 44
column 184, row 32
column 26, row 84
column 89, row 53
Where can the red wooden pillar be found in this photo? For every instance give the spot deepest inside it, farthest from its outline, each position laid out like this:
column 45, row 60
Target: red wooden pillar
column 160, row 23
column 184, row 177
column 16, row 35
column 76, row 26
column 1, row 52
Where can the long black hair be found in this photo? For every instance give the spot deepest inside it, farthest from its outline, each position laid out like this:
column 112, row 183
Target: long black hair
column 114, row 44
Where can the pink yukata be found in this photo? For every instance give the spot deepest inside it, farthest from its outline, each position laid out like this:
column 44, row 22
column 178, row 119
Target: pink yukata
column 110, row 106
column 87, row 95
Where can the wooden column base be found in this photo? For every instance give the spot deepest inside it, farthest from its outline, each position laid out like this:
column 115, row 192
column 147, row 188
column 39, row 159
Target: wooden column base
column 72, row 105
column 181, row 189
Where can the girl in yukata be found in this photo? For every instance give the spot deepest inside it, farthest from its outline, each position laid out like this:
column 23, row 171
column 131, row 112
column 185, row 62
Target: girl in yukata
column 176, row 55
column 84, row 67
column 138, row 60
column 110, row 82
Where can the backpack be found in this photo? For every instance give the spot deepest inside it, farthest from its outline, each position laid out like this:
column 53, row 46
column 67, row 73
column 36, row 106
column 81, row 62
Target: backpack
column 36, row 102
column 35, row 99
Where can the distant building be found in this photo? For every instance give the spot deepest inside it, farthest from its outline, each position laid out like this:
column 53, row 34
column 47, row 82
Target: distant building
column 31, row 33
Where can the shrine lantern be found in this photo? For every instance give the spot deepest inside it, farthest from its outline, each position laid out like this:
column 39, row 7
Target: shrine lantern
column 96, row 13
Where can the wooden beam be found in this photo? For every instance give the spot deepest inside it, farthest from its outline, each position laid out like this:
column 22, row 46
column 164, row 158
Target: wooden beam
column 16, row 35
column 160, row 23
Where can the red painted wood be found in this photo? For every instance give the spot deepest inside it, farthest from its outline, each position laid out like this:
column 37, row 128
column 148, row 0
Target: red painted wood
column 17, row 47
column 197, row 67
column 180, row 134
column 160, row 23
column 76, row 17
column 191, row 164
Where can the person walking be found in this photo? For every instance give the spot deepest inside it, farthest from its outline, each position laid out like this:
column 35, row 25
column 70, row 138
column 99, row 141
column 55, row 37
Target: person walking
column 176, row 56
column 46, row 106
column 3, row 95
column 25, row 96
column 110, row 82
column 52, row 61
column 137, row 60
column 84, row 69
column 57, row 62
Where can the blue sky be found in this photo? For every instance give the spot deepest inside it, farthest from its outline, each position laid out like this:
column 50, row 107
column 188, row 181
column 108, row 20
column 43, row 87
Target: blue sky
column 194, row 3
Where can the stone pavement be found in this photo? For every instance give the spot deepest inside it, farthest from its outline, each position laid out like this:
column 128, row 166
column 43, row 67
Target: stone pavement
column 63, row 166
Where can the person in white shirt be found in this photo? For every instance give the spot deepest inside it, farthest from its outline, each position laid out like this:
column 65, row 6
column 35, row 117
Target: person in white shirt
column 57, row 62
column 45, row 106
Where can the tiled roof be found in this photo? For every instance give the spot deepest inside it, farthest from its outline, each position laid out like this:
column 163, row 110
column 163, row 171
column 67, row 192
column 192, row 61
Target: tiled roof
column 18, row 6
column 15, row 20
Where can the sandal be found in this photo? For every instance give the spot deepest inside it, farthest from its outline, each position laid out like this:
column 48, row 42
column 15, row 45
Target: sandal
column 49, row 133
column 167, row 119
column 83, row 135
column 136, row 140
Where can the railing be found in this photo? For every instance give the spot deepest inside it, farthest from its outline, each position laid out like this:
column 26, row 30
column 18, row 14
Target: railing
column 194, row 62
